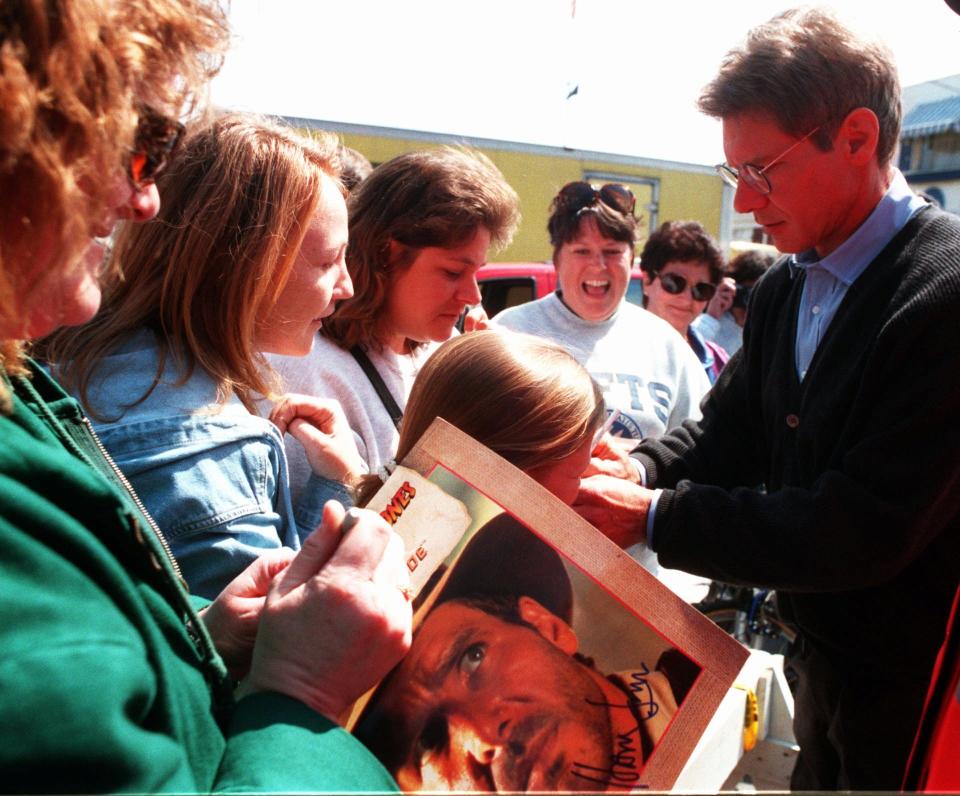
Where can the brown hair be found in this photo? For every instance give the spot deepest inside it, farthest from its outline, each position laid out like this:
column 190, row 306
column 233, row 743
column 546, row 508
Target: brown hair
column 72, row 73
column 565, row 222
column 749, row 266
column 354, row 167
column 238, row 199
column 681, row 241
column 438, row 197
column 524, row 397
column 804, row 69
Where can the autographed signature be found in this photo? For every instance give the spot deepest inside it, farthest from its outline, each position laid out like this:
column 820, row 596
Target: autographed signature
column 627, row 758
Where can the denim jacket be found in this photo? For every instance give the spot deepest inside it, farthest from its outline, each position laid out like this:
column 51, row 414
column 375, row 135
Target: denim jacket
column 214, row 477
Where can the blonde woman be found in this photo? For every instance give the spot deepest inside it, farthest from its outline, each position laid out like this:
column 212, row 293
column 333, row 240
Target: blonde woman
column 523, row 397
column 246, row 256
column 420, row 227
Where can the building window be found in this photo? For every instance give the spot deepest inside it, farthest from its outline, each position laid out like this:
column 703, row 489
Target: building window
column 906, row 152
column 940, row 152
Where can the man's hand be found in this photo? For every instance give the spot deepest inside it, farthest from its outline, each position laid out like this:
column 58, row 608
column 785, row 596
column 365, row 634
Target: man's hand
column 615, row 506
column 338, row 618
column 320, row 425
column 723, row 299
column 232, row 618
column 611, row 456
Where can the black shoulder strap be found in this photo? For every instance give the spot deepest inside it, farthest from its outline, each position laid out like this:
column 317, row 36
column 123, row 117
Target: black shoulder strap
column 377, row 381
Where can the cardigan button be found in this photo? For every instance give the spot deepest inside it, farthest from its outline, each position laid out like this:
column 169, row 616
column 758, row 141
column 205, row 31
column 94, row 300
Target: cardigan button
column 793, row 421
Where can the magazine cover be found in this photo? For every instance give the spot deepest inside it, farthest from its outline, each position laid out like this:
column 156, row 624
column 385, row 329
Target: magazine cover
column 543, row 656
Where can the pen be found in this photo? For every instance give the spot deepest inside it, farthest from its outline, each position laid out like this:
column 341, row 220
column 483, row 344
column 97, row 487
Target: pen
column 351, row 518
column 607, row 425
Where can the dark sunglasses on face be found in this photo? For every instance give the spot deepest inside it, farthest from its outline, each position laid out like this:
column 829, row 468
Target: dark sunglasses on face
column 675, row 284
column 575, row 196
column 156, row 140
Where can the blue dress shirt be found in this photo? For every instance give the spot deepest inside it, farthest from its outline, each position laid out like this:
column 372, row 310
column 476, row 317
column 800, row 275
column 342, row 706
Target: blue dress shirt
column 828, row 279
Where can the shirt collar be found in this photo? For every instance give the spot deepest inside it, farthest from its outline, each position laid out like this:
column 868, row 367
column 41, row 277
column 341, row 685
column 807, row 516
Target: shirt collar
column 851, row 257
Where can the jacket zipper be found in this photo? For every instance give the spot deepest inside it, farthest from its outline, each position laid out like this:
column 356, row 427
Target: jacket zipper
column 139, row 503
column 212, row 663
column 213, row 667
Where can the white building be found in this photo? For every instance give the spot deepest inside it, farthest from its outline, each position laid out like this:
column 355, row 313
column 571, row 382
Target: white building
column 930, row 140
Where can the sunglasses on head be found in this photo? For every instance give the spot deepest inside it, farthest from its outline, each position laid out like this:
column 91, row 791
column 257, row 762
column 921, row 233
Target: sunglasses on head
column 575, row 196
column 675, row 284
column 156, row 140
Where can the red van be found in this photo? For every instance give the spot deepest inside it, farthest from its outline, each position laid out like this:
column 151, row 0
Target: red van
column 505, row 285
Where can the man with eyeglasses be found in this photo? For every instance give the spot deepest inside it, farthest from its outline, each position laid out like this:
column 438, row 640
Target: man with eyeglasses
column 843, row 402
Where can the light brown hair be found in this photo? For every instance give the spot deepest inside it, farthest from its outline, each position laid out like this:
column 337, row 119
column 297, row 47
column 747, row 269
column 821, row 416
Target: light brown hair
column 438, row 197
column 805, row 70
column 524, row 397
column 72, row 73
column 238, row 199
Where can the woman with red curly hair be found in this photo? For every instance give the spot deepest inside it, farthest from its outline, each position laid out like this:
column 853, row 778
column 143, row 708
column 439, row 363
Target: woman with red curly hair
column 111, row 679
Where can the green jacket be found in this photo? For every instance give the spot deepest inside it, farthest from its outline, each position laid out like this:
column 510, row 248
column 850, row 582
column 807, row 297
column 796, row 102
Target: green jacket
column 108, row 680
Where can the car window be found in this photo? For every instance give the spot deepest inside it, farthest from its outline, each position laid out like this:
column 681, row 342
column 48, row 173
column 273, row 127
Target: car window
column 499, row 294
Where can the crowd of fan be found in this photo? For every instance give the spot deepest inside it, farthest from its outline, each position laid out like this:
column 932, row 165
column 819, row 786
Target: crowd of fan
column 188, row 418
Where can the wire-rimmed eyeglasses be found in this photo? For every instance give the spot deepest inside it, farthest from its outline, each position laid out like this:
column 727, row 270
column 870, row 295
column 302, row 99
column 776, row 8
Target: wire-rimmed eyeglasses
column 754, row 176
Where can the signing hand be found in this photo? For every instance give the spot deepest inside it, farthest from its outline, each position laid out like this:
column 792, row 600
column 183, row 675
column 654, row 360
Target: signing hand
column 616, row 507
column 338, row 618
column 232, row 618
column 320, row 425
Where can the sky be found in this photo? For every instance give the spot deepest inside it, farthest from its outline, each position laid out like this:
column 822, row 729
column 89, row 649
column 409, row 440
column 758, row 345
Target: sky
column 502, row 69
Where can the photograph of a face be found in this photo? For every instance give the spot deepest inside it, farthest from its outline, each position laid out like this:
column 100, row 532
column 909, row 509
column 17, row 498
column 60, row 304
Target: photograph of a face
column 543, row 657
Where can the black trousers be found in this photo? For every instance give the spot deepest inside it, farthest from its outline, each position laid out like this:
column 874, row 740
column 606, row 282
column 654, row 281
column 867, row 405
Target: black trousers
column 855, row 723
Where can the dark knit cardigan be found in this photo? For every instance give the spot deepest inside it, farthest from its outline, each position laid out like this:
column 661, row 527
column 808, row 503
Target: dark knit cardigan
column 859, row 530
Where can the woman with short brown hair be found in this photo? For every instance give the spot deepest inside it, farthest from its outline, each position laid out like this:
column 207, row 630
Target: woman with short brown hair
column 682, row 268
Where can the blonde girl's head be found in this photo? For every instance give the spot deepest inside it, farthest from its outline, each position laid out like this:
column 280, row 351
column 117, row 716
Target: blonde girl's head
column 524, row 397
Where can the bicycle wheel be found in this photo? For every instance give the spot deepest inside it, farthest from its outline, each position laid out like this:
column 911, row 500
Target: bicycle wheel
column 730, row 618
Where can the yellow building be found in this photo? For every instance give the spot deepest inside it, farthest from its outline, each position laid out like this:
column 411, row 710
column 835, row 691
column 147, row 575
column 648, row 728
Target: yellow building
column 665, row 190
